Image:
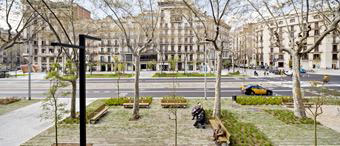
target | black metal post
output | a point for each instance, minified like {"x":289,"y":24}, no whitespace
{"x":82,"y":83}
{"x":82,"y":91}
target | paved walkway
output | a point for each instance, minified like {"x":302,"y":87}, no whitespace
{"x":22,"y":124}
{"x":330,"y":117}
{"x":324,"y":71}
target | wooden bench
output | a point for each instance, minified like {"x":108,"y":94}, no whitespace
{"x":291,"y":105}
{"x":214,"y":124}
{"x":95,"y":116}
{"x":141,"y":105}
{"x":174,"y":105}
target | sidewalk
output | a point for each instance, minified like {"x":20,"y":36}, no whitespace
{"x":330,"y":117}
{"x":22,"y":124}
{"x":324,"y":71}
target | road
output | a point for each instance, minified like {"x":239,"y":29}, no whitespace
{"x":159,"y":87}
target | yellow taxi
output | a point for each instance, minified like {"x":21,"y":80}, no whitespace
{"x":251,"y":89}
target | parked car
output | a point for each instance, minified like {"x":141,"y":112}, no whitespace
{"x":288,"y":72}
{"x":302,"y":70}
{"x":251,"y":89}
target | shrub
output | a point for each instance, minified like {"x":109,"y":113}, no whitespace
{"x":174,"y":99}
{"x":234,"y":73}
{"x":242,"y":133}
{"x":121,"y":100}
{"x":262,"y":100}
{"x":116,"y":101}
{"x":8,"y":100}
{"x":143,"y":99}
{"x":288,"y":117}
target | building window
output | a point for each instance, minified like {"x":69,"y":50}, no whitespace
{"x":316,"y":57}
{"x":335,"y":57}
{"x":281,"y":64}
{"x":316,"y":17}
{"x":335,"y":48}
{"x":42,"y":50}
{"x":305,"y":57}
{"x":109,"y":50}
{"x":271,"y":50}
{"x":101,"y":58}
{"x":316,"y":49}
{"x":102,"y":50}
{"x":280,"y":22}
{"x":109,"y":58}
{"x":186,"y":48}
{"x":316,"y":32}
{"x":179,"y":48}
{"x":292,"y":20}
{"x":172,"y":48}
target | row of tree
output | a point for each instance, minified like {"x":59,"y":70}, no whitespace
{"x":137,"y":23}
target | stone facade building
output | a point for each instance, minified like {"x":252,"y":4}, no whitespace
{"x":175,"y":38}
{"x":325,"y":56}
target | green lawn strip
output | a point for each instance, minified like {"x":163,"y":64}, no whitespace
{"x":288,"y":117}
{"x":242,"y":133}
{"x":109,"y":75}
{"x":182,"y":75}
{"x":89,"y":110}
{"x":16,"y":105}
{"x":281,"y":133}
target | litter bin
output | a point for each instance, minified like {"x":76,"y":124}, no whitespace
{"x":233,"y":98}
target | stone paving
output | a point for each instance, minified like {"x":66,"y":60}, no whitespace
{"x":22,"y":124}
{"x":154,"y":128}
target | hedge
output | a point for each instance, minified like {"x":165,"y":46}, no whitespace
{"x":262,"y":100}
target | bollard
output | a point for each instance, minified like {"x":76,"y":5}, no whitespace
{"x":233,"y":98}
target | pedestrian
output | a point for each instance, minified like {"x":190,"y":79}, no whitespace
{"x":255,"y":73}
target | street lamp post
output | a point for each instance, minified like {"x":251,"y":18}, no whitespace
{"x":29,"y":69}
{"x":205,"y":73}
{"x":82,"y":83}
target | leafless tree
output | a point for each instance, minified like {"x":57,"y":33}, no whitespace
{"x":64,"y":24}
{"x":213,"y":25}
{"x":137,"y":22}
{"x":271,"y":12}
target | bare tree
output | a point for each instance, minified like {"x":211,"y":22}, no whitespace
{"x":298,"y":47}
{"x":213,"y":27}
{"x":13,"y":34}
{"x":61,"y":16}
{"x":137,"y":25}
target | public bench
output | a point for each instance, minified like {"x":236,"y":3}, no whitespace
{"x":224,"y":140}
{"x":141,"y":105}
{"x":101,"y":111}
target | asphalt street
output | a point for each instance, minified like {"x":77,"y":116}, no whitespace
{"x":18,"y":87}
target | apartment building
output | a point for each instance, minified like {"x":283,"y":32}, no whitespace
{"x":175,"y":38}
{"x":325,"y":56}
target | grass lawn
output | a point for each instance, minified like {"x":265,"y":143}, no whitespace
{"x":183,"y":75}
{"x":16,"y":105}
{"x":109,"y":75}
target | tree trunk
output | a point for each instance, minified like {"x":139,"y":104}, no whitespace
{"x":233,"y":63}
{"x":217,"y":104}
{"x":56,"y":120}
{"x":135,"y":114}
{"x":73,"y":99}
{"x":315,"y":129}
{"x":118,"y":84}
{"x":299,"y":109}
